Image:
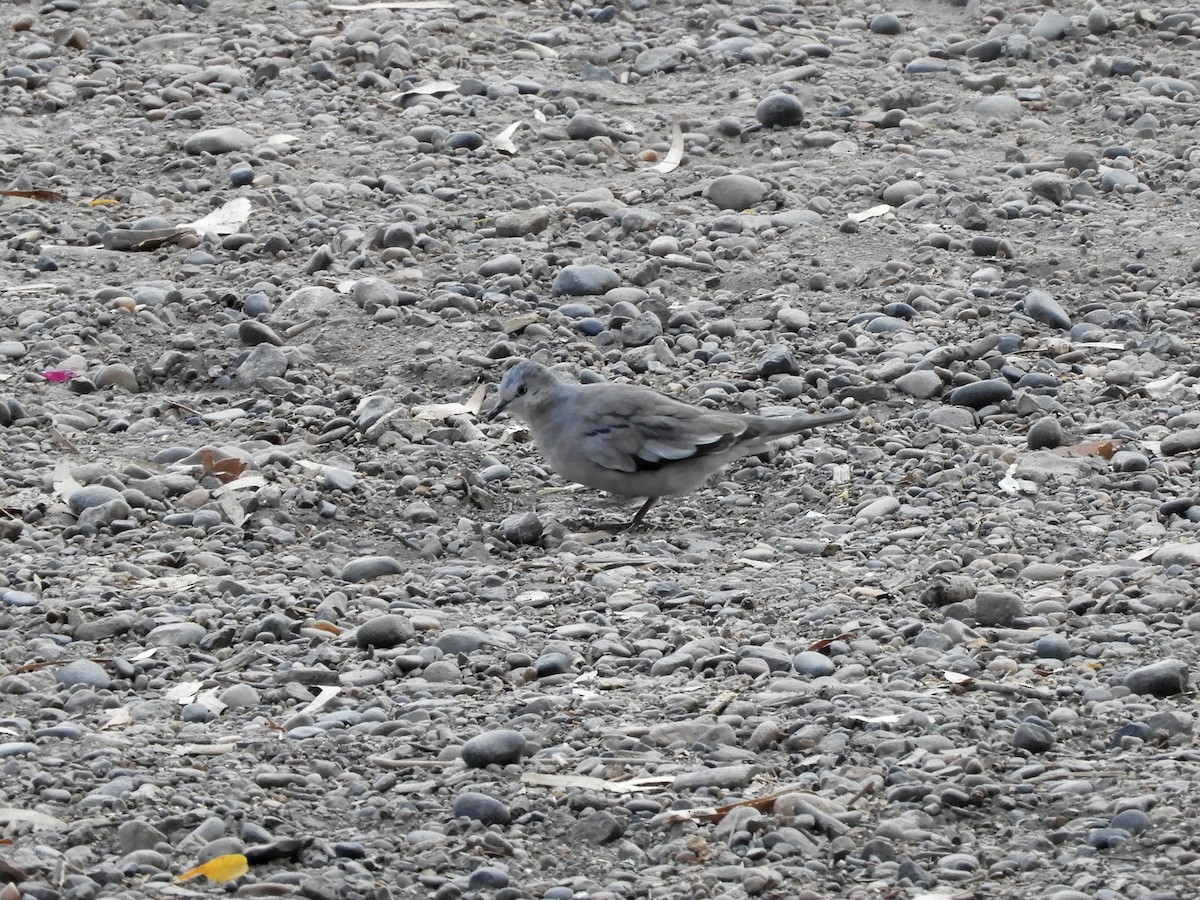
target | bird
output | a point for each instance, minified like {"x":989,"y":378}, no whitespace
{"x":633,"y":441}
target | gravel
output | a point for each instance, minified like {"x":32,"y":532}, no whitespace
{"x":271,"y":584}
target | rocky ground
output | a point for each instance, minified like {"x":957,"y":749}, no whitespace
{"x":272,"y":587}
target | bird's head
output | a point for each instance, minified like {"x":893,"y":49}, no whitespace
{"x":522,"y":388}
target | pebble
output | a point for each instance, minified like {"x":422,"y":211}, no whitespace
{"x":91,"y":496}
{"x":997,"y":608}
{"x":1045,"y":434}
{"x":585,"y":280}
{"x":886,"y":23}
{"x":385,"y":631}
{"x":499,"y":747}
{"x":777,"y":110}
{"x":735,"y":192}
{"x":1053,"y":646}
{"x":481,"y":808}
{"x":224,"y":139}
{"x":1041,"y":307}
{"x":981,"y":393}
{"x":116,"y":375}
{"x":813,"y":664}
{"x":176,"y":634}
{"x":1033,"y":737}
{"x":83,"y":672}
{"x":368,"y":568}
{"x":1164,"y":678}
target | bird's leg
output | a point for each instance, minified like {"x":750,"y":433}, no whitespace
{"x":641,"y":513}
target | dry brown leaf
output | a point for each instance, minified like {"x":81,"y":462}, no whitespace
{"x":226,"y":469}
{"x":1104,"y":449}
{"x":34,"y":195}
{"x":717,"y":813}
{"x":825,"y":642}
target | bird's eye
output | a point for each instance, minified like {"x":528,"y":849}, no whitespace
{"x":522,"y":391}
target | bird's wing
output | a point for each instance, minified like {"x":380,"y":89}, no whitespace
{"x":638,"y":431}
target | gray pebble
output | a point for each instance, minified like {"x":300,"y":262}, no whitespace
{"x":584,"y":280}
{"x":368,"y":568}
{"x":1133,"y":821}
{"x":1044,"y":434}
{"x":1052,"y":26}
{"x":18,"y":598}
{"x":549,"y":664}
{"x":521,"y":223}
{"x":1164,"y":678}
{"x":460,"y":640}
{"x":1053,"y":646}
{"x":176,"y":634}
{"x":782,"y":110}
{"x":886,"y":23}
{"x":657,"y":59}
{"x":500,"y":748}
{"x":1118,"y":179}
{"x":920,"y":383}
{"x":1033,"y":737}
{"x":372,"y":293}
{"x":263,"y":362}
{"x":1129,"y":461}
{"x":83,"y":671}
{"x":584,"y":126}
{"x":505,"y":264}
{"x":385,"y":631}
{"x":778,"y":360}
{"x":1098,"y":20}
{"x":736,"y":192}
{"x":597,"y":827}
{"x":900,"y":192}
{"x":1041,"y":307}
{"x":640,"y":331}
{"x":91,"y":495}
{"x":813,"y":664}
{"x":488,"y":878}
{"x":997,"y":608}
{"x":253,"y":333}
{"x":225,"y":139}
{"x":1185,"y":441}
{"x":1000,"y":106}
{"x":481,"y":808}
{"x":117,"y":375}
{"x":464,"y":140}
{"x":981,"y":393}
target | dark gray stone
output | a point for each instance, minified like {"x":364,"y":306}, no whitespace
{"x":385,"y":631}
{"x":500,"y":747}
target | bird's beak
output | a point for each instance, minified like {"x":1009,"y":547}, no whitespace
{"x":495,"y":410}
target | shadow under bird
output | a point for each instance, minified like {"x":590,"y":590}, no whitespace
{"x":633,"y":441}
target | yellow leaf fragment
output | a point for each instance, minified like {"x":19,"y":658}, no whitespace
{"x":220,"y":868}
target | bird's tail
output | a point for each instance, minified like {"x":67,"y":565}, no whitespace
{"x":781,"y":425}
